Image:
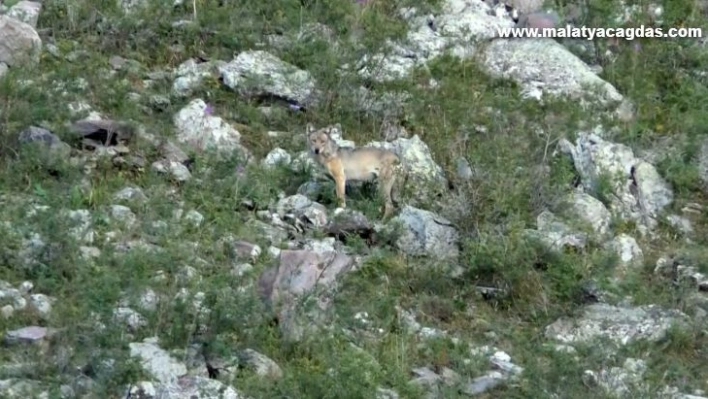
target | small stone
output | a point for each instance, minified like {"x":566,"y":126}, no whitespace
{"x":241,"y":269}
{"x":194,"y":217}
{"x":149,"y":300}
{"x":26,"y":287}
{"x":89,"y":252}
{"x":123,"y":214}
{"x":26,"y":335}
{"x":132,"y":319}
{"x":130,"y":194}
{"x":41,"y":304}
{"x":19,"y":303}
{"x":175,"y":169}
{"x":7,"y":311}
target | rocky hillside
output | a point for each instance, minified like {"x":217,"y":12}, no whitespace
{"x":164,"y":232}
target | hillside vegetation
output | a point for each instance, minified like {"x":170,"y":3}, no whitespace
{"x":550,"y":240}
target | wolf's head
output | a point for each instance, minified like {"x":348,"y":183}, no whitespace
{"x":320,"y":141}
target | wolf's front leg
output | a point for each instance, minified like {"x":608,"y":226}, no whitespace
{"x":340,"y":191}
{"x":340,"y":180}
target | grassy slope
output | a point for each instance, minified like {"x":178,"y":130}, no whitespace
{"x":506,"y":200}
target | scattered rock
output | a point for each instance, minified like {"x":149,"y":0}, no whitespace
{"x":628,"y":251}
{"x":283,"y":292}
{"x":555,"y":234}
{"x":41,"y":305}
{"x":351,"y":223}
{"x":260,"y":74}
{"x":526,"y":6}
{"x":621,"y":325}
{"x":172,"y":380}
{"x":202,"y":131}
{"x":678,"y":272}
{"x":28,"y":335}
{"x":176,"y":170}
{"x":543,"y":66}
{"x":190,"y":387}
{"x":240,"y":249}
{"x":587,"y":209}
{"x":130,"y":194}
{"x":638,"y":192}
{"x":703,"y":164}
{"x":26,"y":11}
{"x":21,"y":45}
{"x":157,"y":361}
{"x":458,"y":27}
{"x":130,"y":318}
{"x":426,"y":234}
{"x":190,"y":74}
{"x":276,"y":157}
{"x":301,"y":209}
{"x":52,"y":149}
{"x":538,"y":20}
{"x":262,"y":365}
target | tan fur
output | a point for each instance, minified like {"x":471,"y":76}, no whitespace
{"x":360,"y":164}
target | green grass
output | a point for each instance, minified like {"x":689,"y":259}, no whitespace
{"x":539,"y":286}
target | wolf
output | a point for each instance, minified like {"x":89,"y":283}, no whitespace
{"x":360,"y":164}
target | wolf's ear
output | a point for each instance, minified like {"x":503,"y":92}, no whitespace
{"x":309,"y":128}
